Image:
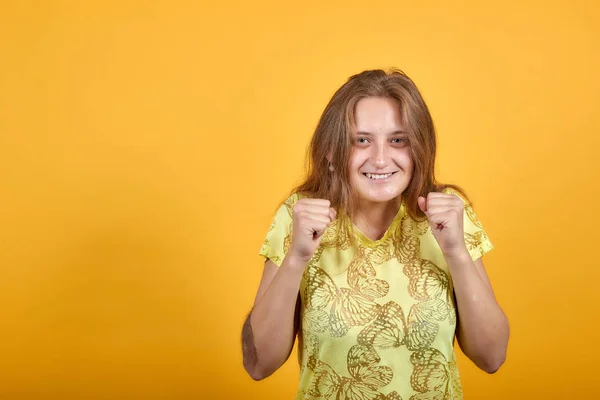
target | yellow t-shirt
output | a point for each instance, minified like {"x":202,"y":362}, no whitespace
{"x":377,"y":316}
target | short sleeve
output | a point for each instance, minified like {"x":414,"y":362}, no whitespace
{"x":476,"y":239}
{"x":277,"y":241}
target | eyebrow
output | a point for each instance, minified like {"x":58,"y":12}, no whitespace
{"x":389,"y":134}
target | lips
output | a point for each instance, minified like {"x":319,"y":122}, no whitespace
{"x":377,"y":177}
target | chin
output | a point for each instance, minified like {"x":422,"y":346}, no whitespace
{"x":379,"y":197}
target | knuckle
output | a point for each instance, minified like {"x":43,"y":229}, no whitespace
{"x":301,"y":214}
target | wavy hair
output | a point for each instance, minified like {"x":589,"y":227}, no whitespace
{"x":332,"y":141}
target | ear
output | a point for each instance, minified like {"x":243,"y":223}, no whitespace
{"x":328,"y":157}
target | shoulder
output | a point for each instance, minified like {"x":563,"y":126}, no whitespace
{"x":289,"y":203}
{"x":451,"y":190}
{"x":286,"y":207}
{"x":293,"y":199}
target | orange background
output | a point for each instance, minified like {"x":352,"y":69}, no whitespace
{"x":144,"y":146}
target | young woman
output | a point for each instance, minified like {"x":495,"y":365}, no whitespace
{"x":372,"y":263}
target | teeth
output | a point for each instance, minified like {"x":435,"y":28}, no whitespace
{"x":378,"y":176}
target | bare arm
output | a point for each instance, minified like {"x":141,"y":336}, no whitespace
{"x":269,"y":331}
{"x":483,"y":329}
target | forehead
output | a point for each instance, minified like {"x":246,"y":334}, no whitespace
{"x":378,"y":114}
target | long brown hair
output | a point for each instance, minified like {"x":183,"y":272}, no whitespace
{"x":332,"y":142}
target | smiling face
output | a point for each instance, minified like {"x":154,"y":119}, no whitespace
{"x":381,"y":166}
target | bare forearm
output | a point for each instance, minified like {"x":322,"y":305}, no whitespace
{"x":483,"y":329}
{"x":269,"y":331}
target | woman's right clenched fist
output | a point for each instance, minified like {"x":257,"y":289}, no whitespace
{"x":311,"y":217}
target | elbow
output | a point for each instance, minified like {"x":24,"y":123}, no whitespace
{"x":492,"y":366}
{"x":495,"y":356}
{"x":492,"y":362}
{"x":256,"y":373}
{"x":491,"y":359}
{"x":250,"y":365}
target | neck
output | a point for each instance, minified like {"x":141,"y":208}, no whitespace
{"x":373,"y":219}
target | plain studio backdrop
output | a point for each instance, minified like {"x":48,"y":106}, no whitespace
{"x":145,"y":145}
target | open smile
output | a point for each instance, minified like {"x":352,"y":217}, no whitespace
{"x":378,"y":177}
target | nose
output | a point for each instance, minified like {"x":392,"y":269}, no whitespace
{"x":380,"y":155}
